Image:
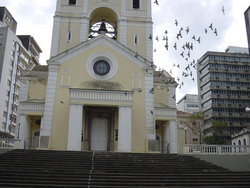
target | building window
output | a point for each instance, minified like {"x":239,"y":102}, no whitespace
{"x":136,"y":40}
{"x":72,"y":2}
{"x":244,"y":142}
{"x":101,"y":67}
{"x":69,"y":36}
{"x":136,"y":4}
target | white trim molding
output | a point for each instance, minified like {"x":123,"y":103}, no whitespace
{"x":165,"y":113}
{"x":31,"y":107}
{"x":101,"y":95}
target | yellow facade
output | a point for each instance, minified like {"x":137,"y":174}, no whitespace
{"x":84,"y":106}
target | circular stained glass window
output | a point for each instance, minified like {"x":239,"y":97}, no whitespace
{"x":101,"y":67}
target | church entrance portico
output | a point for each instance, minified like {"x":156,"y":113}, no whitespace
{"x":100,"y":120}
{"x":100,"y":128}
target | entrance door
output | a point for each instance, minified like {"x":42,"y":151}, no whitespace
{"x":99,"y":134}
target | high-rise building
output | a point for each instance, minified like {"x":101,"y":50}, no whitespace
{"x":189,"y":103}
{"x":247,"y":20}
{"x":224,"y":91}
{"x":15,"y":57}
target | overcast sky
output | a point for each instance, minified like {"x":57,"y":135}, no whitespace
{"x":36,"y":18}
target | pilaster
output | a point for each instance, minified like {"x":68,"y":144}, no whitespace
{"x":149,"y":103}
{"x":125,"y":129}
{"x":75,"y":127}
{"x":122,"y":37}
{"x":46,"y":125}
{"x":55,"y":36}
{"x":84,"y":31}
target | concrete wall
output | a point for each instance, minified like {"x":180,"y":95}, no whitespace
{"x":231,"y":162}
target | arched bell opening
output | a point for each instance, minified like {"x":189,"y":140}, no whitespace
{"x":103,"y":21}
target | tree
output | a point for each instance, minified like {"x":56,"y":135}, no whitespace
{"x":215,"y":138}
{"x":195,"y":123}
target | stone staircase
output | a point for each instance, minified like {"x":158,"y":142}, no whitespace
{"x":40,"y":168}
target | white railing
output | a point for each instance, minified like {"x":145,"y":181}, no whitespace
{"x":164,"y":112}
{"x":6,"y":143}
{"x":216,"y":149}
{"x":32,"y":106}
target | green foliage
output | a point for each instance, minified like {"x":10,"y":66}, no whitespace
{"x":198,"y":116}
{"x":213,"y":139}
{"x":218,"y":128}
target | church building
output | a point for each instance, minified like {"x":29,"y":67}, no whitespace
{"x":100,"y":90}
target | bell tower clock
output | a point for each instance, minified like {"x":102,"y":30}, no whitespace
{"x":129,"y":22}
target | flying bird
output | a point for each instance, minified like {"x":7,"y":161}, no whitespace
{"x":193,"y":37}
{"x":150,"y":37}
{"x":151,"y":91}
{"x":206,"y":30}
{"x":175,"y":46}
{"x":215,"y":32}
{"x":211,"y":26}
{"x":182,"y":54}
{"x":199,"y":40}
{"x":223,"y":10}
{"x":156,"y":2}
{"x":157,"y":38}
{"x":176,"y":22}
{"x":187,"y":29}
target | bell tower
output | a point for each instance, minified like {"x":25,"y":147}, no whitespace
{"x":129,"y":22}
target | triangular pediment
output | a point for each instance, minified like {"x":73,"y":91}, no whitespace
{"x":103,"y":41}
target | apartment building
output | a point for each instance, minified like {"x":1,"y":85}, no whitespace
{"x":189,"y":103}
{"x":17,"y":53}
{"x":224,"y":90}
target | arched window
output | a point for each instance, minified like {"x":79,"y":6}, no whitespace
{"x":244,"y":142}
{"x":239,"y":142}
{"x":103,"y":21}
{"x":136,"y":3}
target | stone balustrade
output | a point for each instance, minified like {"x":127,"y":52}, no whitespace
{"x":216,"y":149}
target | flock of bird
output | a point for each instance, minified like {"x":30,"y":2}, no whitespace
{"x":185,"y":48}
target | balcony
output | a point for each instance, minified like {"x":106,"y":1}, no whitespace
{"x":32,"y":107}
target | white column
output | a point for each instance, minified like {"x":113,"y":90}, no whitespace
{"x":124,"y":129}
{"x":75,"y":127}
{"x":173,"y":136}
{"x":166,"y":138}
{"x":170,"y":136}
{"x":25,"y":132}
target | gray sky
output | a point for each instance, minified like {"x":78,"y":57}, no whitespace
{"x":36,"y":18}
